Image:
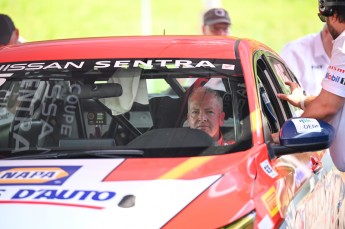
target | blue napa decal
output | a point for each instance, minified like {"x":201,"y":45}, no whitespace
{"x":36,"y":175}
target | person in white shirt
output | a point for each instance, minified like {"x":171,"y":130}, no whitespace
{"x":329,"y":104}
{"x":308,"y":57}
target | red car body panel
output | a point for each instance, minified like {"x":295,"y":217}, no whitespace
{"x":125,"y":47}
{"x":243,"y":184}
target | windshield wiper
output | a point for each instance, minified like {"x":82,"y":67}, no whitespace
{"x":115,"y":152}
{"x":78,"y":153}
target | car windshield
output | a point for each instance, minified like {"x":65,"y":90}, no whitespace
{"x":128,"y":108}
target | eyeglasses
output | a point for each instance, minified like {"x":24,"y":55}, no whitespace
{"x":322,"y":17}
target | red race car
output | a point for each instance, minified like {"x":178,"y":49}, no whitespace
{"x":94,"y":133}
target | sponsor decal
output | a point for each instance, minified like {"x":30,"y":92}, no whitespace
{"x":228,"y":66}
{"x":74,"y":198}
{"x":21,"y":122}
{"x":335,"y":78}
{"x":54,"y":194}
{"x":36,"y":175}
{"x":271,"y":201}
{"x":340,"y":70}
{"x":336,"y":74}
{"x":304,"y":125}
{"x":41,"y":66}
{"x":118,"y":63}
{"x":265,"y":165}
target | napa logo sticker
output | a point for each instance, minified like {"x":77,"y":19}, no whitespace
{"x":36,"y":175}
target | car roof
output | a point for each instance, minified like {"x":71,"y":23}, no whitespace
{"x":127,"y":47}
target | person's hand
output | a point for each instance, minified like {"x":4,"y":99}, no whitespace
{"x":275,"y":138}
{"x":296,"y":96}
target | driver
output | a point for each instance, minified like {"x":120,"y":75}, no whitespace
{"x":205,"y":112}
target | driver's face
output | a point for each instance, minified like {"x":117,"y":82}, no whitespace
{"x":204,"y":113}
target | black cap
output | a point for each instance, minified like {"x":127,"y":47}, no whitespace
{"x":216,"y":15}
{"x":6,"y":29}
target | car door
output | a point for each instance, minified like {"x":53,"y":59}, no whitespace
{"x":306,"y":175}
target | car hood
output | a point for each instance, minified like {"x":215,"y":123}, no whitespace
{"x":113,"y":193}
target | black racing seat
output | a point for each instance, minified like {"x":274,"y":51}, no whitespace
{"x":165,"y":112}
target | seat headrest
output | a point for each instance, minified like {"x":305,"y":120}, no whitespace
{"x":165,"y":111}
{"x":227,"y":105}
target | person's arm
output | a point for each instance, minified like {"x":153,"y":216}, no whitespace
{"x":324,"y":106}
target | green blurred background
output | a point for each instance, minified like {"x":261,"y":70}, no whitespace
{"x":273,"y":22}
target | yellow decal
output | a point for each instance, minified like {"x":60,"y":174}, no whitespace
{"x":185,"y":167}
{"x":271,"y":201}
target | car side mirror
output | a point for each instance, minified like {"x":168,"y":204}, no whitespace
{"x":299,"y":135}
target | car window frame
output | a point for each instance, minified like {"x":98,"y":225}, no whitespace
{"x":266,"y":73}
